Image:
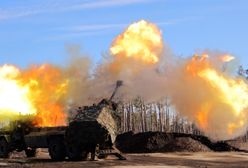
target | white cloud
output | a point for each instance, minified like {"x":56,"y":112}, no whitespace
{"x":98,"y":29}
{"x":58,"y":6}
{"x":94,"y":27}
{"x":109,"y":3}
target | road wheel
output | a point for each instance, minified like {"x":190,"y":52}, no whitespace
{"x":4,"y":148}
{"x":57,"y":149}
{"x":76,"y":154}
{"x":30,"y":152}
{"x":101,"y":156}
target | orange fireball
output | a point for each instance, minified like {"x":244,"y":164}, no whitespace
{"x":14,"y":96}
{"x":224,"y":99}
{"x":227,"y":58}
{"x":141,"y":41}
{"x":39,"y":91}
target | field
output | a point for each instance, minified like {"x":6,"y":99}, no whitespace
{"x":157,"y":160}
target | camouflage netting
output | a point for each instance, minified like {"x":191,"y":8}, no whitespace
{"x":97,"y":121}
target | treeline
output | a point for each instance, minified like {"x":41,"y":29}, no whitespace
{"x":138,"y":116}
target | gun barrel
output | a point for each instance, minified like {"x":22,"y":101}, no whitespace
{"x":118,"y":84}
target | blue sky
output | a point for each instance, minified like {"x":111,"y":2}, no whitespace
{"x":33,"y":31}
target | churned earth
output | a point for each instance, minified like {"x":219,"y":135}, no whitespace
{"x":156,"y":160}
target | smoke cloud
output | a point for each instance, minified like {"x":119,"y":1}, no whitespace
{"x":204,"y":88}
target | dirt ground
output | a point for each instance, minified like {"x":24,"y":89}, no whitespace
{"x":155,"y":160}
{"x":161,"y":142}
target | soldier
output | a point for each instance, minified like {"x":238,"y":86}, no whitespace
{"x":241,"y":71}
{"x":89,"y":148}
{"x":92,"y":150}
{"x":79,"y":110}
{"x":246,"y":72}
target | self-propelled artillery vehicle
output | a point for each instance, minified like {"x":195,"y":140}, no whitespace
{"x":92,"y":130}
